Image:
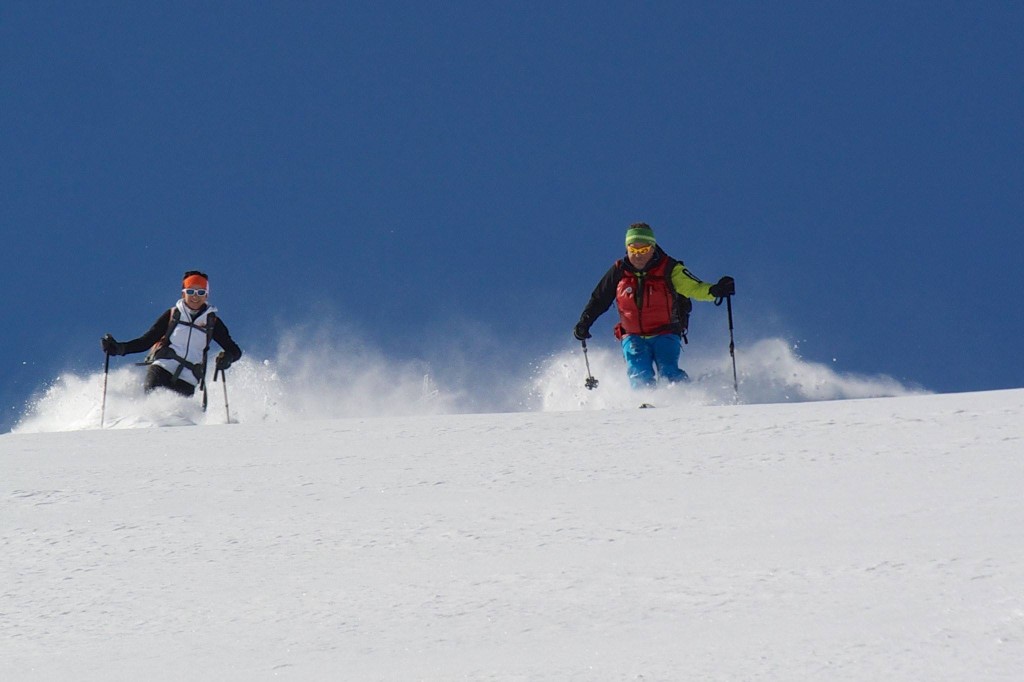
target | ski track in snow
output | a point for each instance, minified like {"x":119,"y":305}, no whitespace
{"x":845,"y":540}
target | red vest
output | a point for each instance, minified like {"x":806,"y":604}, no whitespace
{"x":645,"y":301}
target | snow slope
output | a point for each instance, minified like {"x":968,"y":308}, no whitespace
{"x":843,"y":540}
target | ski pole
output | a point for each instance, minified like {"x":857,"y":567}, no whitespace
{"x":591,"y":382}
{"x":732,"y":349}
{"x":202,"y":382}
{"x":103,"y":405}
{"x":732,"y":346}
{"x":224,"y":378}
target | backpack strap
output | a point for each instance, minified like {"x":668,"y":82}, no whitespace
{"x":173,"y":317}
{"x":172,"y":323}
{"x":211,"y":322}
{"x":162,"y":350}
{"x":682,"y":305}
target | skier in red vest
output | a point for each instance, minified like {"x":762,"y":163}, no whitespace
{"x":651,"y":291}
{"x":180,"y":339}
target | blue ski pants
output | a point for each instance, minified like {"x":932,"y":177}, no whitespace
{"x":644,"y":354}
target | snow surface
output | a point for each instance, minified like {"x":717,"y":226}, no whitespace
{"x":576,"y":539}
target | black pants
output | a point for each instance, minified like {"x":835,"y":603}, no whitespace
{"x":158,"y":377}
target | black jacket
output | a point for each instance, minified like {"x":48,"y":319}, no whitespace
{"x":159,"y":328}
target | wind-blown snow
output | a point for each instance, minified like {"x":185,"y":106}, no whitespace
{"x":841,"y":540}
{"x":323,"y":381}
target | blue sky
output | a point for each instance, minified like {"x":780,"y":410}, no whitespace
{"x":423,"y":176}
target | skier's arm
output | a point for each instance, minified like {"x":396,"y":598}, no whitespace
{"x":146,"y":341}
{"x":602,"y":297}
{"x":689,"y":285}
{"x":224,"y":340}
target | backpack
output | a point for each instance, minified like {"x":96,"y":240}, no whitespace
{"x":679,"y":318}
{"x":162,"y":348}
{"x":681,"y":306}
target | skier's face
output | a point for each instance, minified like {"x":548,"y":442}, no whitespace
{"x":640,"y":254}
{"x":194,"y":300}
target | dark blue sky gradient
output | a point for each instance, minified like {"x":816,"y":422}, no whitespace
{"x":416,"y":170}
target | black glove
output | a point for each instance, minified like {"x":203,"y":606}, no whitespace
{"x":223,"y":362}
{"x":111,"y":346}
{"x":725,"y":287}
{"x":581,"y":331}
